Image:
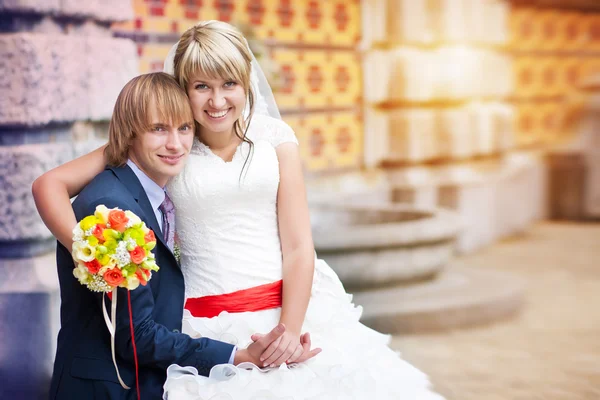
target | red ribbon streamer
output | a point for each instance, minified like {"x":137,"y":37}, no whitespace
{"x":135,"y":360}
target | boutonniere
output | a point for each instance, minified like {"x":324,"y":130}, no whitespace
{"x":177,"y":252}
{"x":176,"y":248}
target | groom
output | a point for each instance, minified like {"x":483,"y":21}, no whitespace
{"x":150,"y":136}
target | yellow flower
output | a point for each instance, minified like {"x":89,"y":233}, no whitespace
{"x":88,"y":222}
{"x":104,"y":259}
{"x":102,"y":214}
{"x":110,"y":234}
{"x":92,"y":240}
{"x":136,"y":234}
{"x":110,"y":246}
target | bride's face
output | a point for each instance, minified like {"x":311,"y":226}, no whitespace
{"x":216,"y":103}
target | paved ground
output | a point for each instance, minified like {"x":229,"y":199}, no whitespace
{"x":551,"y":351}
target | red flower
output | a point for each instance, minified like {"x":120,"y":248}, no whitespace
{"x":137,"y":255}
{"x":117,"y":220}
{"x":114,"y":277}
{"x":149,"y":237}
{"x":93,"y":266}
{"x":97,"y":231}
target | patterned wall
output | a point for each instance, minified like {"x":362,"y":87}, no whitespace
{"x":313,"y":45}
{"x":555,"y":51}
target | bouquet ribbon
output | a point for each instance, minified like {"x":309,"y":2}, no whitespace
{"x":111,"y":324}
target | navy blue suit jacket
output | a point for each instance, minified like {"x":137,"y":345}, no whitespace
{"x":83,"y":367}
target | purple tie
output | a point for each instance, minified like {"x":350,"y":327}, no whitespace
{"x":168,"y":221}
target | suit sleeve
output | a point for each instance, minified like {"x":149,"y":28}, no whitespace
{"x":156,"y":345}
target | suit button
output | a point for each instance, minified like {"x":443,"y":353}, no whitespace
{"x":175,"y":330}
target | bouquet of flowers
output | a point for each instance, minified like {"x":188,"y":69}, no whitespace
{"x":113,"y":248}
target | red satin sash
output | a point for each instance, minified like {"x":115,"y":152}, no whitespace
{"x":263,"y":297}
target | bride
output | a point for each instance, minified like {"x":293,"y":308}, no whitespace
{"x":245,"y":242}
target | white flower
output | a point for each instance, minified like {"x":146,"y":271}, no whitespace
{"x":82,"y":274}
{"x":102,"y":213}
{"x":83,"y":251}
{"x":98,"y":284}
{"x":121,"y":256}
{"x":130,"y":244}
{"x":132,"y":282}
{"x":77,"y":233}
{"x":133,"y":219}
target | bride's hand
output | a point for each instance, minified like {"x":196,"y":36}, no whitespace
{"x":306,"y":353}
{"x":261,"y":344}
{"x":299,"y":353}
{"x":281,"y":349}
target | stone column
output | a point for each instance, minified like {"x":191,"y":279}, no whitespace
{"x":60,"y":73}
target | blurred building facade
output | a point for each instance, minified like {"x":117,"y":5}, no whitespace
{"x":308,"y":49}
{"x":449,"y":103}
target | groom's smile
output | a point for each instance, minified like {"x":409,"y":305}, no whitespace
{"x":172,"y":160}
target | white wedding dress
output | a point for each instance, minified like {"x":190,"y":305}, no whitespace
{"x":229,"y":240}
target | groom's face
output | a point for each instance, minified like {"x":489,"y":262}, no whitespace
{"x":161,"y":151}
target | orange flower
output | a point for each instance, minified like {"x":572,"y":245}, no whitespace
{"x":93,"y":266}
{"x":117,"y":220}
{"x":149,"y":237}
{"x":137,"y":255}
{"x":97,"y":231}
{"x":114,"y":277}
{"x":141,"y":276}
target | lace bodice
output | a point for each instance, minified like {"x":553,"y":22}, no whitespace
{"x":226,"y":218}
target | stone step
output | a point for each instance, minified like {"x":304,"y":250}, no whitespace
{"x":456,"y":298}
{"x":373,"y":245}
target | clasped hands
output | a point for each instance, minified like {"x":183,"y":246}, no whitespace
{"x":277,"y":347}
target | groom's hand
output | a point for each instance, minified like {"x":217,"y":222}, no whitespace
{"x":255,"y":350}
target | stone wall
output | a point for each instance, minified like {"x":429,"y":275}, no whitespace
{"x":60,"y":72}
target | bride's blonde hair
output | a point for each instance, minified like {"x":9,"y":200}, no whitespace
{"x":219,"y":51}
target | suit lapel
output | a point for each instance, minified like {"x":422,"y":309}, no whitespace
{"x":132,"y":183}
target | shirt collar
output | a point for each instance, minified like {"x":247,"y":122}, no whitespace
{"x":155,"y":193}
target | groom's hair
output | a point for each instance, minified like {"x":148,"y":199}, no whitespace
{"x":144,"y":101}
